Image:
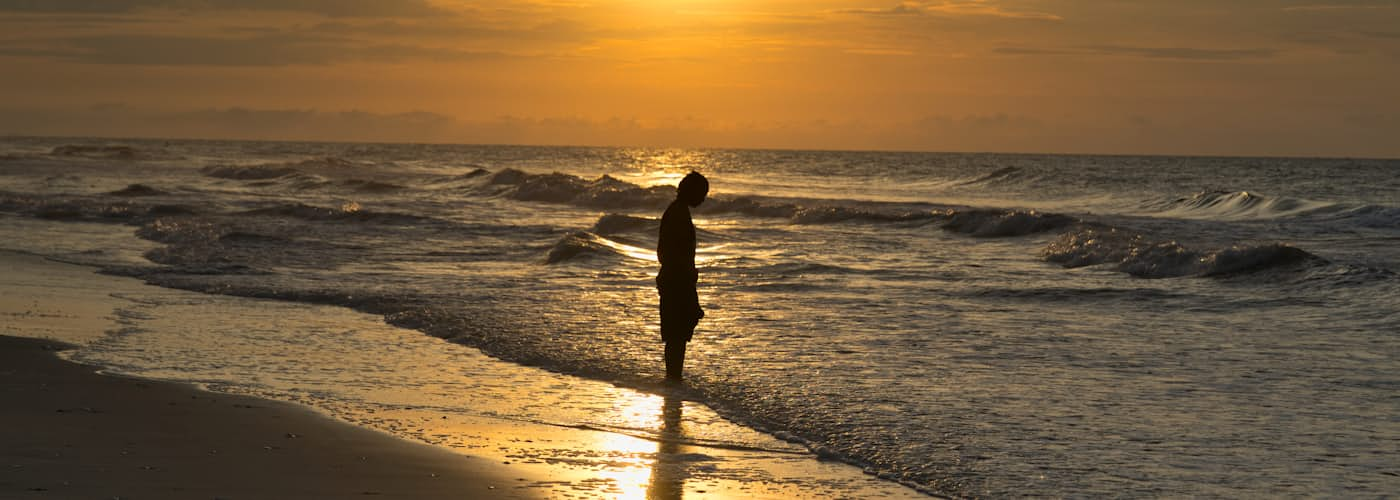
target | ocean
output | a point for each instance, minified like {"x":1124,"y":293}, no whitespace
{"x":965,"y":324}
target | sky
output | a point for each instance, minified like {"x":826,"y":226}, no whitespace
{"x":1196,"y":77}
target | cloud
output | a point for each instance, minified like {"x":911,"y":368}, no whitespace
{"x":1335,"y":7}
{"x":118,"y":120}
{"x":952,"y":8}
{"x":310,"y":124}
{"x":329,"y":8}
{"x":262,"y":50}
{"x":983,"y":8}
{"x":1349,"y":43}
{"x":903,"y":9}
{"x":1183,"y":53}
{"x":1373,"y":121}
{"x":878,"y":51}
{"x":1035,"y":51}
{"x":466,"y":29}
{"x":994,"y":123}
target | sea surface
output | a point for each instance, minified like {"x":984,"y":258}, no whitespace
{"x":966,"y":324}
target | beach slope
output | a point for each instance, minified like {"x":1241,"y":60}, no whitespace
{"x":68,"y":432}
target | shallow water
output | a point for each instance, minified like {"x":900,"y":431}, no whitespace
{"x":969,"y":324}
{"x":563,"y":436}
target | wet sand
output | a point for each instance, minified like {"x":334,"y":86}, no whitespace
{"x":69,"y":432}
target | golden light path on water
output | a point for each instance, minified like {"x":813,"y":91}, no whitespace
{"x":646,"y":468}
{"x":638,"y":411}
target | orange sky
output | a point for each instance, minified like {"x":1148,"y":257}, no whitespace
{"x":1239,"y":77}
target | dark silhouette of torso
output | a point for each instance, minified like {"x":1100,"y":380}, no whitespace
{"x":680,"y":304}
{"x":676,"y":246}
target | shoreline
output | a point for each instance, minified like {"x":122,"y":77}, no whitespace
{"x":51,"y":302}
{"x":74,"y":432}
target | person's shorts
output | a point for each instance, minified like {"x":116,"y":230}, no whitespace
{"x":680,"y":312}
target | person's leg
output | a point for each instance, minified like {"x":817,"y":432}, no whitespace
{"x":675,"y":359}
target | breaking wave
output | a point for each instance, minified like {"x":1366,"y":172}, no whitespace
{"x":584,"y":244}
{"x":574,"y":245}
{"x":1236,"y":205}
{"x":1142,"y":257}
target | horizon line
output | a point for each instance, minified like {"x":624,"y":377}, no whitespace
{"x":724,"y":148}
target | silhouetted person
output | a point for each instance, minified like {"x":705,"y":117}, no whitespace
{"x":680,"y":304}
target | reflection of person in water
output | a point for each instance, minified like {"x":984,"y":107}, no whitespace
{"x":680,"y":304}
{"x":668,"y":473}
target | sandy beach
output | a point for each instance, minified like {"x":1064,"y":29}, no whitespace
{"x":72,"y":433}
{"x":77,"y":430}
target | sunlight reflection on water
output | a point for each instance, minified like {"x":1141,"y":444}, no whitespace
{"x":591,"y":439}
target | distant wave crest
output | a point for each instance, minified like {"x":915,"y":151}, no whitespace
{"x":249,"y":172}
{"x":833,"y":214}
{"x":1241,"y":205}
{"x":309,"y":169}
{"x":1373,"y":216}
{"x":349,"y":212}
{"x":1000,"y":175}
{"x":623,"y":223}
{"x":77,"y":208}
{"x":1001,"y":223}
{"x":108,"y":152}
{"x":603,"y":192}
{"x":137,"y":190}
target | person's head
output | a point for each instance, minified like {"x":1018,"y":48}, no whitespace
{"x":692,"y":189}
